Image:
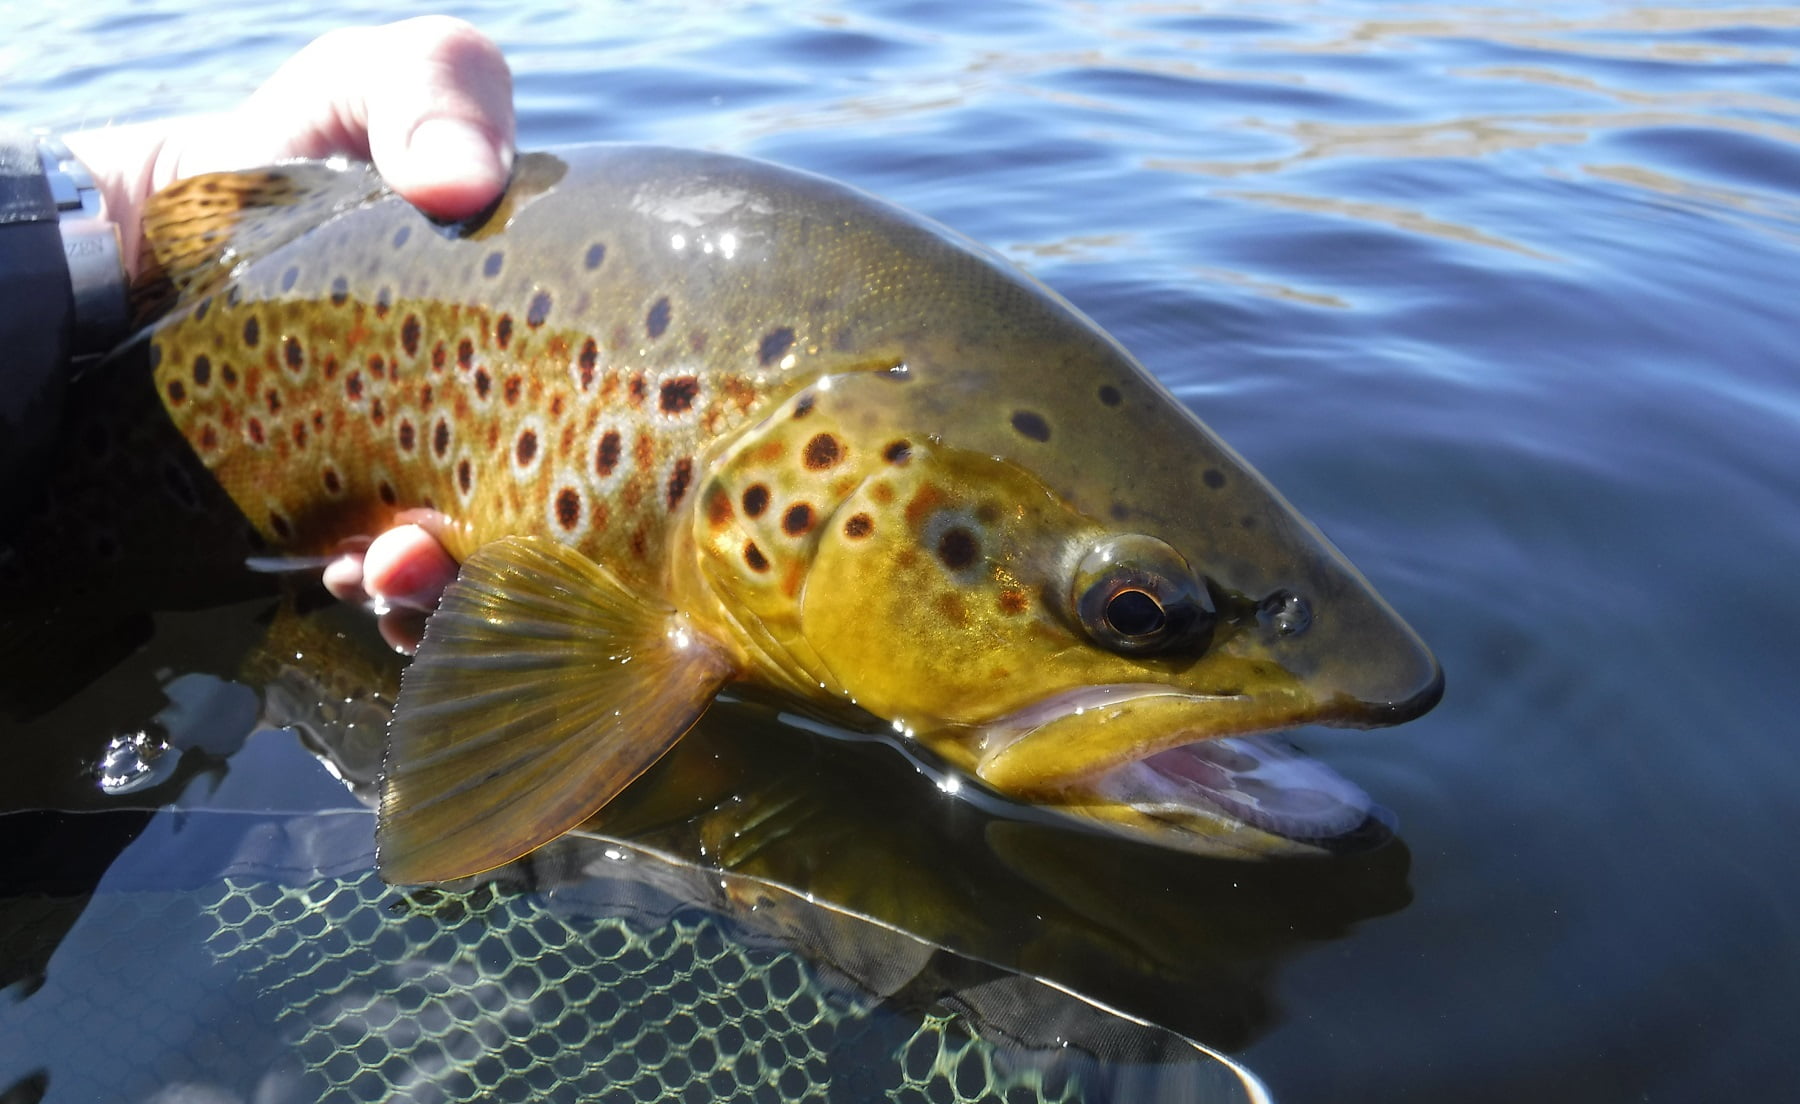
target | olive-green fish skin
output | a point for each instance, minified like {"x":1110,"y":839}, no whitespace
{"x":865,"y":461}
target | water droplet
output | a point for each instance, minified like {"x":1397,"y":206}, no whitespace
{"x":1285,"y":612}
{"x":134,"y":762}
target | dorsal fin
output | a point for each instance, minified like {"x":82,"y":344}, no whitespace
{"x":197,"y":231}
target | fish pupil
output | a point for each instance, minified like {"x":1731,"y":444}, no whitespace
{"x":1134,"y":613}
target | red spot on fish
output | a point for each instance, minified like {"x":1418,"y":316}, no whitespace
{"x":272,"y":398}
{"x":209,"y":438}
{"x":438,"y":357}
{"x":331,"y":367}
{"x":299,"y":435}
{"x":606,"y":457}
{"x":638,"y":544}
{"x":377,"y":412}
{"x":526,"y":448}
{"x":503,"y":330}
{"x":377,"y":367}
{"x":256,"y":431}
{"x":511,"y":389}
{"x":718,"y":509}
{"x":465,"y":354}
{"x":637,"y":389}
{"x":643,"y":450}
{"x":556,"y":406}
{"x":1013,"y":601}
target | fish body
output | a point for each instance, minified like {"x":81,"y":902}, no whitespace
{"x":688,"y":419}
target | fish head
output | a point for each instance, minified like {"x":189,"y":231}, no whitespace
{"x":1072,"y":591}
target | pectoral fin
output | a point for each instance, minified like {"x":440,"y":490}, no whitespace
{"x":544,"y":685}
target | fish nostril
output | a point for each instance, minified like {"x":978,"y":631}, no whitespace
{"x":1285,"y":612}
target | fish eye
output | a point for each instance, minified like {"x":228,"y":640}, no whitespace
{"x":1136,"y":595}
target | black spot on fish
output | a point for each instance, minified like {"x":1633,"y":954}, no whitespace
{"x":465,"y":354}
{"x":568,"y":508}
{"x":289,"y":277}
{"x":255,"y":428}
{"x":401,"y":235}
{"x":1110,"y":395}
{"x":491,"y":266}
{"x":340,"y":291}
{"x":156,"y":354}
{"x":233,"y":296}
{"x":280,"y":527}
{"x":678,"y":394}
{"x":377,"y":367}
{"x":756,"y":500}
{"x":333,"y":484}
{"x":440,"y":438}
{"x":177,"y":392}
{"x":1247,"y":521}
{"x":526,"y":448}
{"x":595,"y":254}
{"x":503,"y":331}
{"x":822,"y":452}
{"x":293,"y":354}
{"x":606,"y":456}
{"x":202,"y":370}
{"x":299,"y":435}
{"x":409,"y":335}
{"x":679,"y":478}
{"x":228,"y":374}
{"x":438,"y":356}
{"x":775,"y":345}
{"x":797,"y":520}
{"x":957,"y":548}
{"x":465,"y":475}
{"x":590,"y":355}
{"x":1214,"y":478}
{"x":252,"y":331}
{"x":386,"y":491}
{"x":384,"y":301}
{"x":272,"y":398}
{"x":859,"y":526}
{"x":754,"y":557}
{"x":1031,"y":424}
{"x":353,"y":385}
{"x":539,"y":310}
{"x":897,"y":452}
{"x":377,"y":413}
{"x":406,"y":435}
{"x":657,"y":321}
{"x":483,"y":382}
{"x":202,"y":308}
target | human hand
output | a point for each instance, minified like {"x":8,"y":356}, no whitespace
{"x":429,"y":101}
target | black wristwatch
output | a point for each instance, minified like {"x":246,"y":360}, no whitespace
{"x":63,"y":299}
{"x":91,"y":248}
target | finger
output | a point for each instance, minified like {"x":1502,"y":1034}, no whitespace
{"x":439,"y":114}
{"x":406,"y":568}
{"x":344,"y":577}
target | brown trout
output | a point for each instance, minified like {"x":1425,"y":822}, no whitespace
{"x":690,"y":420}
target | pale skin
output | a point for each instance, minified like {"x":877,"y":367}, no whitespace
{"x":429,"y":102}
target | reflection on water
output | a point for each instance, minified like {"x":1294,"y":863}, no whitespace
{"x":1500,"y":296}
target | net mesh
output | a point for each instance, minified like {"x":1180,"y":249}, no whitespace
{"x":491,"y":996}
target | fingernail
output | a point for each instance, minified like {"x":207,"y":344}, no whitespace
{"x":452,"y":149}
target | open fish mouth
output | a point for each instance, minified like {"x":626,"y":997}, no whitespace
{"x":1184,"y":770}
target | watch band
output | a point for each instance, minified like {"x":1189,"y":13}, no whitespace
{"x":91,"y":247}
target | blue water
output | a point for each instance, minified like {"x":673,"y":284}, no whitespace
{"x":1501,"y":297}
